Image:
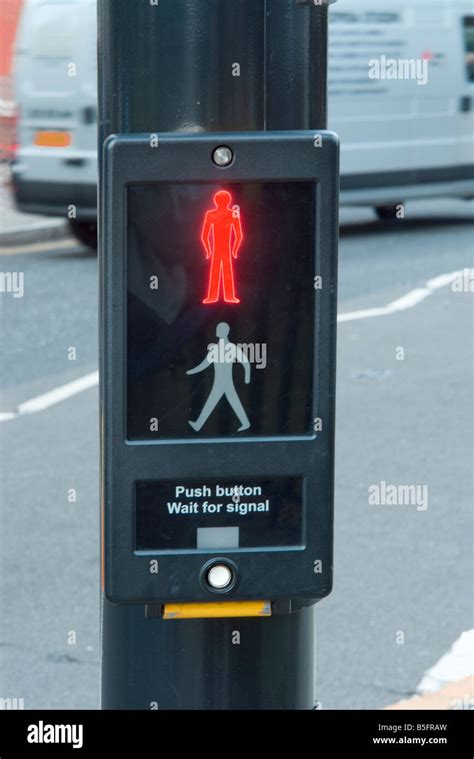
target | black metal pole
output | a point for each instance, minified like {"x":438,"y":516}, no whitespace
{"x":209,"y":65}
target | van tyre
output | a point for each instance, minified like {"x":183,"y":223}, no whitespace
{"x":85,"y":232}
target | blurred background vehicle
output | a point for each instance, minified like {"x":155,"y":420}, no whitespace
{"x":402,"y":138}
{"x":54,"y":167}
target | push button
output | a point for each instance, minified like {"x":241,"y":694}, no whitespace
{"x":220,"y":576}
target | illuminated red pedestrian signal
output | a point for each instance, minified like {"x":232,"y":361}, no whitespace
{"x":222,"y":237}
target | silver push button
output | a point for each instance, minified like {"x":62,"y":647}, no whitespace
{"x":219,"y":576}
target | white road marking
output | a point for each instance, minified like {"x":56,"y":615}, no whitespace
{"x":59,"y":394}
{"x":6,"y":415}
{"x":42,"y":402}
{"x":407,"y":301}
{"x":366,"y":313}
{"x":444,"y":279}
{"x":456,"y":664}
{"x":39,"y":247}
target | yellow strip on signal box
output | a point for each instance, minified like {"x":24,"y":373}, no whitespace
{"x":218,"y":609}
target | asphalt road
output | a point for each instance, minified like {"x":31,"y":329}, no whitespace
{"x":403,"y":575}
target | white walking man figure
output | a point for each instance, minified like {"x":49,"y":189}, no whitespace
{"x":222,"y":356}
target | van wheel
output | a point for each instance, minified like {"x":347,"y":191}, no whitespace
{"x":387,"y":213}
{"x":85,"y":232}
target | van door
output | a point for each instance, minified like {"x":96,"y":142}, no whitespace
{"x":408,"y":123}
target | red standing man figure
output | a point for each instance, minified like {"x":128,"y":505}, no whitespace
{"x":222,"y":246}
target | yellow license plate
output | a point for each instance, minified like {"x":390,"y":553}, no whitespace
{"x":52,"y":139}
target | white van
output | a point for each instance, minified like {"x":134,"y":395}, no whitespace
{"x":54,"y":171}
{"x":401,"y":97}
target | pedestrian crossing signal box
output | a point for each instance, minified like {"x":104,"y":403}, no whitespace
{"x":218,"y":313}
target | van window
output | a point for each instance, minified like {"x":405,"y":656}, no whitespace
{"x":52,"y":30}
{"x":52,"y":41}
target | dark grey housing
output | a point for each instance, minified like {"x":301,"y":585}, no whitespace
{"x":302,"y":573}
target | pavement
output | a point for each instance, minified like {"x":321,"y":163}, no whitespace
{"x":403,"y":573}
{"x":18,"y":228}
